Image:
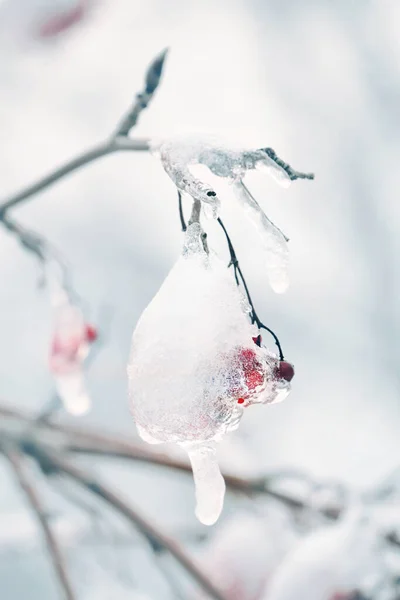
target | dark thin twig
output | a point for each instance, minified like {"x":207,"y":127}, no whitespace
{"x":181,"y":215}
{"x":29,"y":239}
{"x":293,"y":175}
{"x":146,"y":527}
{"x":142,"y":100}
{"x":16,"y":458}
{"x":238,"y":271}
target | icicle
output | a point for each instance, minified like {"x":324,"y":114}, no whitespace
{"x":273,"y":240}
{"x":70,"y":346}
{"x":209,"y":483}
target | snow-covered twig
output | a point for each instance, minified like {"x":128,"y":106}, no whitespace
{"x":16,"y":458}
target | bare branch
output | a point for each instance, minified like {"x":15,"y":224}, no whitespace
{"x":84,"y":441}
{"x":181,"y":215}
{"x":30,"y":240}
{"x":36,"y":244}
{"x":142,"y":100}
{"x":148,"y":529}
{"x":114,"y":145}
{"x":117,"y":143}
{"x":16,"y":460}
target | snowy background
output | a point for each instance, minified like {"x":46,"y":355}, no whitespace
{"x":317,"y":81}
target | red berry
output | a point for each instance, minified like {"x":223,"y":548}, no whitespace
{"x":285,"y":371}
{"x":240,"y":400}
{"x":61,"y":22}
{"x":251,"y":369}
{"x":91,"y":333}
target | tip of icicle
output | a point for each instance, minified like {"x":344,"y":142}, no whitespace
{"x":208,"y":519}
{"x":78,"y":406}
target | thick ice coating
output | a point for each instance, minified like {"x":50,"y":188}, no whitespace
{"x":194,"y":366}
{"x":69,"y":348}
{"x":179,"y":154}
{"x":272,"y":238}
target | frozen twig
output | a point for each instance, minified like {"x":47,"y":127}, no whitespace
{"x":195,"y":218}
{"x":292,"y":174}
{"x":15,"y":457}
{"x":196,"y":209}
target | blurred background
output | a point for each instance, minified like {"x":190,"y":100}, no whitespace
{"x":317,"y":81}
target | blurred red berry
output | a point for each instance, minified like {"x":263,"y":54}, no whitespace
{"x":63,"y":21}
{"x":91,"y":333}
{"x":285,"y":371}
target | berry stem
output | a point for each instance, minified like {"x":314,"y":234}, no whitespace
{"x":181,"y":216}
{"x":238,"y":271}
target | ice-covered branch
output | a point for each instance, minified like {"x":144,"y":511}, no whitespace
{"x":292,"y":173}
{"x":16,"y":459}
